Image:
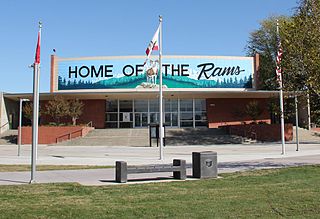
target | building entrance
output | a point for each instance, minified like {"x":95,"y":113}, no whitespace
{"x":139,"y":113}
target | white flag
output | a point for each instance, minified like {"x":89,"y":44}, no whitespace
{"x":154,"y":43}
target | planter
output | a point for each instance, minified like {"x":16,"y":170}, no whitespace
{"x":54,"y":134}
{"x":262,"y":132}
{"x":316,"y":129}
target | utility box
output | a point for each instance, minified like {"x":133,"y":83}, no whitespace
{"x":204,"y":164}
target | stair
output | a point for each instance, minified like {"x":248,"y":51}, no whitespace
{"x":306,"y":135}
{"x":140,"y":137}
{"x":9,"y":137}
{"x":200,"y":136}
{"x":112,"y":137}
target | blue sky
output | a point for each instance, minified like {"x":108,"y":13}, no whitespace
{"x":77,"y":28}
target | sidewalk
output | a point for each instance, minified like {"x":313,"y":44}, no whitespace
{"x":231,"y":158}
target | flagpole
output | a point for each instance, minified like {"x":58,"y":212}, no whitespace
{"x":297,"y":120}
{"x":35,"y":118}
{"x":283,"y":151}
{"x":161,"y":129}
{"x":283,"y":148}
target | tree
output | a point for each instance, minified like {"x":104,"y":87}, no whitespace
{"x":27,"y":110}
{"x":302,"y":51}
{"x":300,"y":38}
{"x":57,"y":108}
{"x":264,"y":42}
{"x":75,"y":110}
{"x":253,"y":110}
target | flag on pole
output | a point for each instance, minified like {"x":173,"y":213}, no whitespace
{"x":154,"y":43}
{"x":278,"y":62}
{"x":37,"y":57}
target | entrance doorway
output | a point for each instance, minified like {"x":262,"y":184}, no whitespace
{"x":140,"y":113}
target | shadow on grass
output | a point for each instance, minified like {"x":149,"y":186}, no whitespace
{"x":14,"y":181}
{"x":256,"y":165}
{"x":143,"y":179}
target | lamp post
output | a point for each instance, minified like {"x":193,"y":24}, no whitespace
{"x":20,"y":124}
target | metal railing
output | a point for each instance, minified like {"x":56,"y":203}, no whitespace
{"x":4,"y":125}
{"x":69,"y":135}
{"x":89,"y":124}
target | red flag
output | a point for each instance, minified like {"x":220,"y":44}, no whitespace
{"x":154,"y":43}
{"x":37,"y":57}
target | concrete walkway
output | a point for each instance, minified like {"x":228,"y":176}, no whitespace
{"x":231,"y":158}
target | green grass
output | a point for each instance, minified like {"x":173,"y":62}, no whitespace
{"x":278,"y":193}
{"x":18,"y":168}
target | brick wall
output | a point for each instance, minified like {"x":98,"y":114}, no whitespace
{"x":95,"y":111}
{"x":262,"y":132}
{"x":230,"y":111}
{"x":316,"y":129}
{"x":49,"y":134}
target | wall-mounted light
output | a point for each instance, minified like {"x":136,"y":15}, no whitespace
{"x":212,"y":104}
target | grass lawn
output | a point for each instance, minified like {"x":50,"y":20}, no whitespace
{"x":277,"y":193}
{"x":16,"y":168}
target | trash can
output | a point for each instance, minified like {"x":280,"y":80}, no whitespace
{"x":204,"y":164}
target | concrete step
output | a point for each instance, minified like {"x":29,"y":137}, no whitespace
{"x":306,"y":135}
{"x":119,"y":132}
{"x":140,"y":137}
{"x":137,"y":142}
{"x":194,"y":132}
{"x":203,"y":140}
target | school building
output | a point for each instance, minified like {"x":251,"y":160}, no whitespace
{"x":123,"y":92}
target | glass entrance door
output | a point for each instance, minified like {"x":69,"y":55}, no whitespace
{"x":141,"y":119}
{"x":125,"y":113}
{"x":171,"y":113}
{"x":141,"y":113}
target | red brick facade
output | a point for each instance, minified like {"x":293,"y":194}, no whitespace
{"x":95,"y":111}
{"x":230,"y":111}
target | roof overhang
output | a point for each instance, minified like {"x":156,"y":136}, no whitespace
{"x":152,"y":93}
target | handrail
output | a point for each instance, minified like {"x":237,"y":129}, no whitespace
{"x":4,"y":125}
{"x":89,"y":124}
{"x":69,"y":135}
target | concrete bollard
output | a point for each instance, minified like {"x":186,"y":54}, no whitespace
{"x":204,"y":164}
{"x":121,"y":171}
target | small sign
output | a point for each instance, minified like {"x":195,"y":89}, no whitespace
{"x":209,"y":162}
{"x":126,"y":117}
{"x":153,"y":132}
